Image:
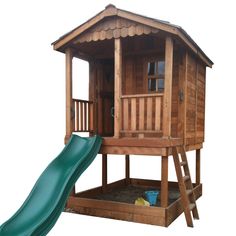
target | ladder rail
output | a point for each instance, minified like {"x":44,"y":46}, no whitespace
{"x":185,"y":185}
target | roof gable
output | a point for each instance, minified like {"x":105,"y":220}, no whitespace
{"x":112,"y":11}
{"x":114,"y":27}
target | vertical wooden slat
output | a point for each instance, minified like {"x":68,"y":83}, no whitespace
{"x":198,"y":166}
{"x":118,"y":83}
{"x":158,"y":113}
{"x":168,"y":87}
{"x":91,"y":117}
{"x":141,"y":113}
{"x":69,"y":121}
{"x":104,"y":172}
{"x":81,"y":116}
{"x":149,"y":113}
{"x":126,"y":114}
{"x":164,"y":181}
{"x":133,"y":113}
{"x":77,"y":116}
{"x":85,"y":116}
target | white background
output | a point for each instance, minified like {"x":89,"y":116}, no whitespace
{"x":32,"y":108}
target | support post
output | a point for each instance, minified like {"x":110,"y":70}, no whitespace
{"x":104,"y":172}
{"x":127,"y":169}
{"x":118,"y":82}
{"x":69,"y":108}
{"x":164,"y":181}
{"x":198,"y":166}
{"x":168,"y":87}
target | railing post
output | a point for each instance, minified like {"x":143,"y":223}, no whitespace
{"x":69,"y":102}
{"x":168,"y":87}
{"x":118,"y":82}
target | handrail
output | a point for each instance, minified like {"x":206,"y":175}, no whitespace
{"x":81,"y":100}
{"x":143,"y":95}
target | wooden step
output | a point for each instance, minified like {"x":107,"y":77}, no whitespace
{"x":192,"y":206}
{"x":183,"y":163}
{"x":186,"y":178}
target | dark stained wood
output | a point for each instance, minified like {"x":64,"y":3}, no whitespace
{"x":127,"y":169}
{"x":198,"y":166}
{"x":104,"y":172}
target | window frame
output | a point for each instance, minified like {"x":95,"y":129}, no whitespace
{"x":155,"y":76}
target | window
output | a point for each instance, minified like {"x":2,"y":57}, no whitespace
{"x":156,"y":75}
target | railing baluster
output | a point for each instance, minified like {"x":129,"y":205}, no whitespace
{"x":158,"y":114}
{"x":85,"y":116}
{"x":133,"y":114}
{"x":141,"y":114}
{"x":126,"y":114}
{"x":81,"y":116}
{"x":77,"y":115}
{"x":149,"y":113}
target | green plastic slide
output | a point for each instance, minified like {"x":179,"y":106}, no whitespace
{"x":42,"y":208}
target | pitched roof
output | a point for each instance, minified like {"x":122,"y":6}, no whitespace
{"x":111,"y":10}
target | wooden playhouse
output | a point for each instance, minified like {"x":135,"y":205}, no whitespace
{"x":147,"y":82}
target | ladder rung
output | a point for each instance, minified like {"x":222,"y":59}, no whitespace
{"x":185,"y":178}
{"x":183,"y":163}
{"x":191,"y":206}
{"x":189,"y":191}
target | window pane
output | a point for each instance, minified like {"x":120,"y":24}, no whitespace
{"x":161,"y":68}
{"x":152,"y":85}
{"x":160,"y":85}
{"x":151,"y":68}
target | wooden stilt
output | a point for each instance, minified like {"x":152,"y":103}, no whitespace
{"x":198,"y":166}
{"x":104,"y":172}
{"x":164,"y":181}
{"x":127,"y":169}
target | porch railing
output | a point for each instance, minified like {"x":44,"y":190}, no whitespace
{"x":142,"y":113}
{"x":83,"y":120}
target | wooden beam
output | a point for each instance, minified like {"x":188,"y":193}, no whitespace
{"x":164,"y":181}
{"x":69,"y":120}
{"x":147,"y":142}
{"x":118,"y":82}
{"x":168,"y":87}
{"x":127,"y":169}
{"x":104,"y":172}
{"x":198,"y":166}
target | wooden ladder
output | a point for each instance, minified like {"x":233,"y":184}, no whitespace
{"x":185,"y":184}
